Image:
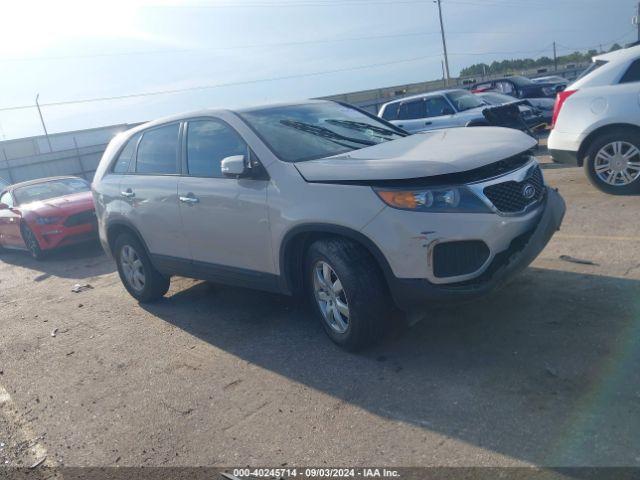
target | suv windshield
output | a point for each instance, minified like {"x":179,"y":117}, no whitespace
{"x":464,"y":100}
{"x":51,"y":189}
{"x":296,"y":133}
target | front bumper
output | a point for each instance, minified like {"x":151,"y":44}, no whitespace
{"x":55,"y":236}
{"x":413,"y":293}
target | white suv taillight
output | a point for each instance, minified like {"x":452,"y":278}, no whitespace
{"x":561,"y":97}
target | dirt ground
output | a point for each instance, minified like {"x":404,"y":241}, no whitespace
{"x":544,"y":372}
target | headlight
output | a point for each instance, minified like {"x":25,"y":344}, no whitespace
{"x":438,"y":199}
{"x":47,"y":220}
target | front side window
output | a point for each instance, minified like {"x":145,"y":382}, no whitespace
{"x":464,"y":100}
{"x":7,"y":199}
{"x":505,"y":87}
{"x":158,"y":151}
{"x":295,"y":133}
{"x":208,"y":143}
{"x":437,"y":106}
{"x":413,"y":110}
{"x":632,"y":74}
{"x":51,"y":189}
{"x":126,"y":155}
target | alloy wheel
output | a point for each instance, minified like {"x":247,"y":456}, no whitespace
{"x":618,"y":163}
{"x":132,"y":267}
{"x":331,"y":297}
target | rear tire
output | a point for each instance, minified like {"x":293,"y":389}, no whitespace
{"x":348,"y":293}
{"x":612,"y":163}
{"x":31,"y":242}
{"x":137,"y":273}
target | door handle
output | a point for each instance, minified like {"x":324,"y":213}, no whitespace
{"x":428,"y":123}
{"x":190,"y":198}
{"x":128,"y":193}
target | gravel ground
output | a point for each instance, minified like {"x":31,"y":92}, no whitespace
{"x":543,"y":372}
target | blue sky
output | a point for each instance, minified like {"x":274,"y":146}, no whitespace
{"x":75,"y":50}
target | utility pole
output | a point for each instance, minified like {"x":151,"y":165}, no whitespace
{"x":555,"y":57}
{"x":444,"y":43}
{"x":637,"y":20}
{"x":44,"y":127}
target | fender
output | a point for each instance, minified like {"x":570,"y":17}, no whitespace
{"x":123,"y":222}
{"x":287,"y":273}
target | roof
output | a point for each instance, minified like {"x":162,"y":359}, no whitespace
{"x":39,"y":180}
{"x":622,"y":54}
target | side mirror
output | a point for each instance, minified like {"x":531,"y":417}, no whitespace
{"x":234,"y":166}
{"x":4,"y":206}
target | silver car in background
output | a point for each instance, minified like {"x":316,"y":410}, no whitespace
{"x":433,"y":110}
{"x":322,"y":199}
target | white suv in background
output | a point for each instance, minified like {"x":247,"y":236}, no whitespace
{"x":596,"y":122}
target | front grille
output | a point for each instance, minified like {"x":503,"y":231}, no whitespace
{"x":509,"y":197}
{"x":451,"y":259}
{"x":81,"y":218}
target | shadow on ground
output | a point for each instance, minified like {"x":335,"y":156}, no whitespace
{"x":77,"y":262}
{"x":544,"y":371}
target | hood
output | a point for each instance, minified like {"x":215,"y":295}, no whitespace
{"x":61,"y":205}
{"x":436,"y":152}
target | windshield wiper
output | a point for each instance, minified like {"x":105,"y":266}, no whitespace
{"x":325,"y":133}
{"x":361,"y":126}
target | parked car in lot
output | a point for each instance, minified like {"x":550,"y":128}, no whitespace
{"x":40,"y":215}
{"x":519,"y":87}
{"x":533,"y":117}
{"x":597,"y":122}
{"x":323,"y":199}
{"x":439,"y":109}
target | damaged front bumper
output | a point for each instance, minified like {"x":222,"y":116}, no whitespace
{"x":414,"y":293}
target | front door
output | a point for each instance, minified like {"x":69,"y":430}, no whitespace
{"x":224,"y":219}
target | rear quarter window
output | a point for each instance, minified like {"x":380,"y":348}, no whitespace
{"x":390,"y":112}
{"x":633,"y":73}
{"x":126,"y":155}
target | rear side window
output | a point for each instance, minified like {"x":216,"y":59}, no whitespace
{"x":594,"y":66}
{"x":126,"y":155}
{"x":208,"y":143}
{"x":391,"y":111}
{"x":632,"y":74}
{"x":158,"y":151}
{"x":412,"y":110}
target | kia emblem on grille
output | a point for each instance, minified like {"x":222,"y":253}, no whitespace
{"x":528,"y":191}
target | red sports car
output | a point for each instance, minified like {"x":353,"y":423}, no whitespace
{"x":47,"y":213}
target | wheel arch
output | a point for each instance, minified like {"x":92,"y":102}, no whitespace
{"x":297,"y":240}
{"x":604,"y":130}
{"x":120,"y":226}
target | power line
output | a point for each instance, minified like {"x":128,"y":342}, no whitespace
{"x":219,"y":85}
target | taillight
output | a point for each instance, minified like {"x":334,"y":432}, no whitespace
{"x":561,"y":97}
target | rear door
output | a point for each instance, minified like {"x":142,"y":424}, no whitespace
{"x":225,"y":219}
{"x":150,"y":192}
{"x":9,"y":223}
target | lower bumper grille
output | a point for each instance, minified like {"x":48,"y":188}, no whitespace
{"x":514,"y":197}
{"x":451,"y":259}
{"x":81,"y":218}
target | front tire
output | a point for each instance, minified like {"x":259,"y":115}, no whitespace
{"x":612,"y":163}
{"x":348,"y":293}
{"x":137,"y":273}
{"x":31,"y":242}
